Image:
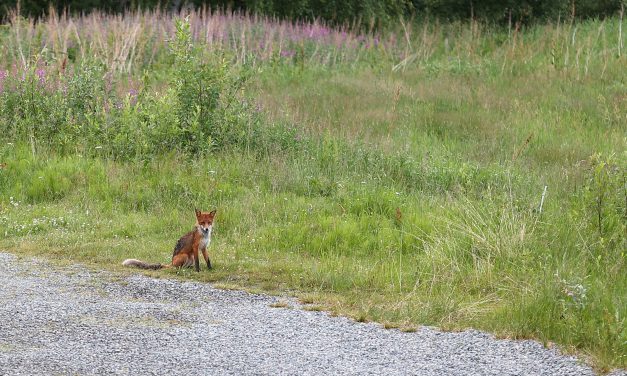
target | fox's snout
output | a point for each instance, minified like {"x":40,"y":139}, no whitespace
{"x":205,"y":229}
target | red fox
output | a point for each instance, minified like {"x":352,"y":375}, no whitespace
{"x":187,"y":248}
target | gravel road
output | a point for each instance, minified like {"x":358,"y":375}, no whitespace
{"x":72,"y":320}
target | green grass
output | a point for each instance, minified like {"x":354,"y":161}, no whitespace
{"x":405,"y":197}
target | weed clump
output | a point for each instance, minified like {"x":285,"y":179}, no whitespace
{"x":86,"y":111}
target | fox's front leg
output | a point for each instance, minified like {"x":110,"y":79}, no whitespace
{"x":196,"y":260}
{"x":206,"y":256}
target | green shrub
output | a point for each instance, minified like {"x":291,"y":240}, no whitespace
{"x":202,"y":108}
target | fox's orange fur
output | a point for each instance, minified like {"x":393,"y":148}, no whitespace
{"x":187,"y":248}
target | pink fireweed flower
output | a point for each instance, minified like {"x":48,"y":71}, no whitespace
{"x":41,"y":74}
{"x":317,"y":32}
{"x":133,"y":94}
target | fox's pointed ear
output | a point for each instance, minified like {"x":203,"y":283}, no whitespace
{"x":213,"y":212}
{"x":197,"y":212}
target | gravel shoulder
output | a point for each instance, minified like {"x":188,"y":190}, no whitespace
{"x":72,"y":320}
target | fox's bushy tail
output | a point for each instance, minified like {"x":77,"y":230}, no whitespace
{"x":142,"y":265}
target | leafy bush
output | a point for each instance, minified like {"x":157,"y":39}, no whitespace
{"x":84,"y":111}
{"x":601,"y":206}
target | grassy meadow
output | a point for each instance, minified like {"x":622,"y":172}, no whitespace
{"x":457,"y":175}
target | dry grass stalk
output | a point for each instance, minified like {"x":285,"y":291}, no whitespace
{"x":522,"y":147}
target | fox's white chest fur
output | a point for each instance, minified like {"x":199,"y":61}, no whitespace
{"x":206,"y":238}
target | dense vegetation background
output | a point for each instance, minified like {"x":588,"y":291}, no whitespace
{"x":364,"y":12}
{"x":458,"y":174}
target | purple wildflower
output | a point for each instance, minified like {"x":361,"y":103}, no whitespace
{"x":133,"y":94}
{"x":41,"y":74}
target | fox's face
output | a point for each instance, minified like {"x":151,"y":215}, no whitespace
{"x":204,"y":221}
